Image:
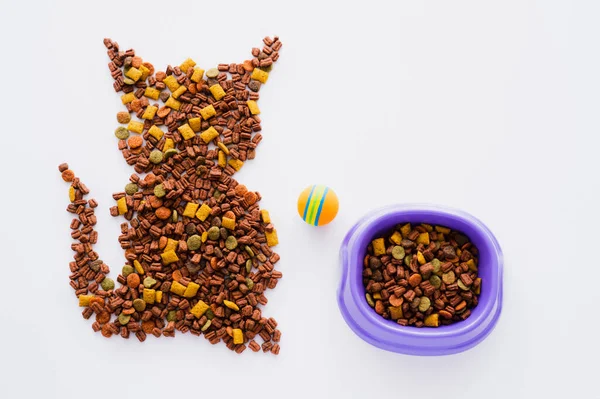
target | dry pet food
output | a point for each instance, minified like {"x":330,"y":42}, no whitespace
{"x":197,"y":252}
{"x":422,"y":275}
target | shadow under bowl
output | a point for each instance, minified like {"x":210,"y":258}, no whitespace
{"x":391,"y":336}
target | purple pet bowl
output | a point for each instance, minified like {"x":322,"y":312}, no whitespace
{"x":391,"y":336}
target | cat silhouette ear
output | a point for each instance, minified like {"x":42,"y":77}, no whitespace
{"x":262,"y":62}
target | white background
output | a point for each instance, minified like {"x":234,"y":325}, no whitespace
{"x":491,"y":107}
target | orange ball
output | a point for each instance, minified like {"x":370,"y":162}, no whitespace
{"x":318,"y":205}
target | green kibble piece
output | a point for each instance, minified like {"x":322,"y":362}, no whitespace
{"x":194,"y":242}
{"x":206,"y":325}
{"x":149,"y":282}
{"x":122,"y":133}
{"x":462,"y":286}
{"x":407,"y":260}
{"x":370,"y":300}
{"x":214,"y":233}
{"x":174,"y":216}
{"x":156,"y":156}
{"x":435,"y":281}
{"x":249,"y":283}
{"x":436,"y":265}
{"x":107,"y":284}
{"x":212,"y":73}
{"x":95,"y":265}
{"x":172,"y":315}
{"x":128,"y":81}
{"x":209,"y":314}
{"x":249,"y":265}
{"x":424,"y":304}
{"x":398,"y":252}
{"x":127,"y":270}
{"x":449,"y":278}
{"x":267,"y":68}
{"x":131,"y":188}
{"x":249,"y":251}
{"x":159,"y":191}
{"x":124,"y":318}
{"x":216,"y":194}
{"x":169,"y":153}
{"x":231,"y":243}
{"x":139,"y":304}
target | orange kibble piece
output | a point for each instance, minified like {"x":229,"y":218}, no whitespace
{"x":68,"y":175}
{"x":133,"y":280}
{"x":250,"y":198}
{"x":240,"y":190}
{"x":135,"y":141}
{"x":177,"y":275}
{"x":163,"y":213}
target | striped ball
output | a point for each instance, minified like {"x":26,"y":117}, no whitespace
{"x":318,"y":205}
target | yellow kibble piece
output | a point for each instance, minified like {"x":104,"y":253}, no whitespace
{"x":186,"y":131}
{"x":187,"y":64}
{"x":178,"y":288}
{"x":138,"y":267}
{"x":272,"y":239}
{"x":156,"y":132}
{"x":171,"y":245}
{"x":217,"y":91}
{"x":71,"y":193}
{"x":421,"y":258}
{"x":396,"y":238}
{"x":204,"y":236}
{"x":203,"y":212}
{"x":169,"y":257}
{"x":134,"y":73}
{"x":472,"y":265}
{"x":158,"y":296}
{"x":207,"y":112}
{"x":433,"y":320}
{"x":191,"y":290}
{"x":478,"y":288}
{"x":173,"y":104}
{"x":122,"y":206}
{"x":84,"y":300}
{"x":443,"y":230}
{"x":260,"y":75}
{"x":236,"y":164}
{"x":169,"y":145}
{"x":209,"y":134}
{"x":171,"y":82}
{"x":238,"y":336}
{"x":222,"y":161}
{"x":197,"y":75}
{"x":377,"y":295}
{"x":199,"y":309}
{"x":152,"y":93}
{"x":195,"y":124}
{"x":145,"y":72}
{"x":179,"y":91}
{"x":405,"y":230}
{"x":190,"y":209}
{"x":423,"y":238}
{"x":149,"y":296}
{"x":378,"y":246}
{"x":458,"y":252}
{"x":427,"y":227}
{"x":231,"y":305}
{"x":149,"y":112}
{"x":135,"y":127}
{"x":223,"y":148}
{"x":264,"y":215}
{"x":127,"y":98}
{"x":228,"y":223}
{"x":253,"y":107}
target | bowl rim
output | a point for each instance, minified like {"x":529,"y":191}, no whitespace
{"x":362,"y":232}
